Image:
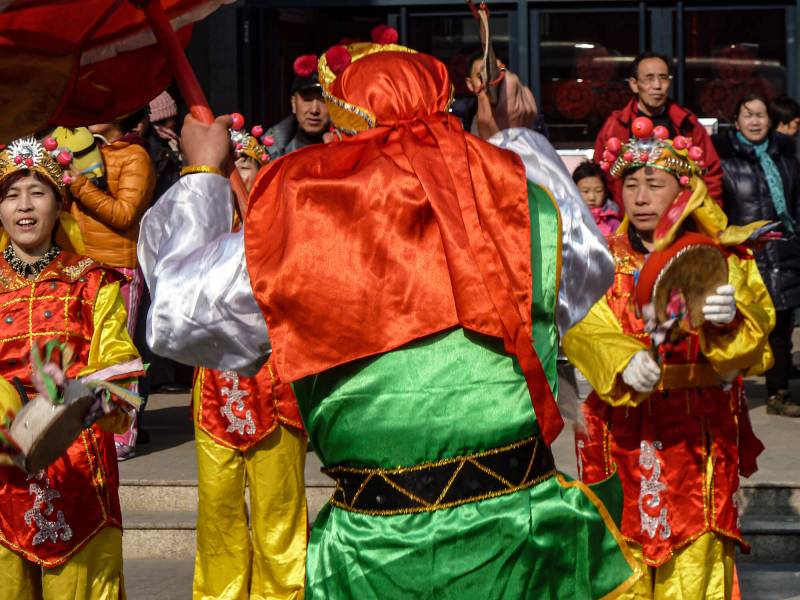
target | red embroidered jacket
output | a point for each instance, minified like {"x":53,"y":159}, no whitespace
{"x":49,"y":516}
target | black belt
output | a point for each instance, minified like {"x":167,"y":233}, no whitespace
{"x":444,"y":483}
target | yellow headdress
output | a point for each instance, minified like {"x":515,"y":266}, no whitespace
{"x":28,"y":154}
{"x":347,"y":117}
{"x":248,"y":144}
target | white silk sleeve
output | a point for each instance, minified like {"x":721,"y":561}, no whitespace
{"x":587,"y":269}
{"x":202,"y":310}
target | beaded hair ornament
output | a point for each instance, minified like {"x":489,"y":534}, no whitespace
{"x":45,"y":158}
{"x":650,"y":147}
{"x":252,"y":144}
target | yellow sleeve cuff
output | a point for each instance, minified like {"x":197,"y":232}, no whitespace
{"x":601,"y":350}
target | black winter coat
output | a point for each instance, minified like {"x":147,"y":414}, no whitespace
{"x":747,"y":199}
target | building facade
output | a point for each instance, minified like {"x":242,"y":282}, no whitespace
{"x":575,"y":54}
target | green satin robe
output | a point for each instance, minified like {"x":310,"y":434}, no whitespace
{"x":453,"y":394}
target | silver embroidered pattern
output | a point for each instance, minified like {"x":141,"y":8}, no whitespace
{"x":650,"y":492}
{"x":581,"y":445}
{"x":235,"y":402}
{"x":43,"y":499}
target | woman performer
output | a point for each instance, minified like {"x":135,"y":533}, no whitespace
{"x":60,"y":529}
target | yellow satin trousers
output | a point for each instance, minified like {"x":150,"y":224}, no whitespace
{"x":93,"y":573}
{"x":703,"y":569}
{"x":231,"y":563}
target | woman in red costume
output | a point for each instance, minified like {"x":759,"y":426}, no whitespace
{"x":671,"y":418}
{"x":60,"y":528}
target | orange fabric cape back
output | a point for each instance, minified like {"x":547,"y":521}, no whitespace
{"x":360,"y":246}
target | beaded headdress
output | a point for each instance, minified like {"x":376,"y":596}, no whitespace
{"x":28,"y":154}
{"x":252,"y":144}
{"x":650,"y":147}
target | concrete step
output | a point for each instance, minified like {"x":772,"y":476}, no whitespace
{"x":769,"y":498}
{"x":773,"y":538}
{"x":168,"y":532}
{"x":159,"y":535}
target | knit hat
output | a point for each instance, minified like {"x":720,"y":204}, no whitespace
{"x":162,"y":107}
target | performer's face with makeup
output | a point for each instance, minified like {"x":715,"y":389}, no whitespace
{"x":646,"y":195}
{"x":248,"y":169}
{"x":29,"y":207}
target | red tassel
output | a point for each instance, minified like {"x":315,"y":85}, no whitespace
{"x":305,"y":65}
{"x":383,"y":34}
{"x":338,"y":59}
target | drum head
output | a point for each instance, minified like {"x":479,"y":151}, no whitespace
{"x":44,"y":431}
{"x":696,"y":271}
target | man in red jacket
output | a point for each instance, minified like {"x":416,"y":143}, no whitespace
{"x":650,"y":79}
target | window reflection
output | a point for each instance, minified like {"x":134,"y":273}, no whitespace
{"x":584,"y":63}
{"x":730,"y":53}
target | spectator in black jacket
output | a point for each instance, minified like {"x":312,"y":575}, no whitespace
{"x":762,"y":181}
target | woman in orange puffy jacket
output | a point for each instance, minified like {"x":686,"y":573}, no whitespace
{"x":109,"y":216}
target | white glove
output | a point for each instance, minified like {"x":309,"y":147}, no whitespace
{"x":642,"y":373}
{"x":720,"y":308}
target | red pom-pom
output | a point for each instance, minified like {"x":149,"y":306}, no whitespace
{"x":64,"y":158}
{"x":680,"y":142}
{"x":642,"y":127}
{"x":305,"y":65}
{"x":257,"y":131}
{"x":268,"y":140}
{"x":338,"y":59}
{"x":66,"y":179}
{"x":18,"y":160}
{"x":50,"y":144}
{"x":608,"y":156}
{"x":644,"y":157}
{"x":695,"y":153}
{"x":614,"y":145}
{"x":684,"y":180}
{"x":264,"y":157}
{"x":239,"y":146}
{"x":238,"y":121}
{"x":628,"y":156}
{"x":661,"y":132}
{"x":605,"y":165}
{"x":383,"y":34}
{"x":29,"y":162}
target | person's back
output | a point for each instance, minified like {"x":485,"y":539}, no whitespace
{"x":422,"y":383}
{"x":650,"y":82}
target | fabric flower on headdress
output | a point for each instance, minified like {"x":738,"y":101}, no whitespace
{"x":650,"y":147}
{"x":305,"y":65}
{"x":252,"y":144}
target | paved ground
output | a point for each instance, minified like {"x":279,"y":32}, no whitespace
{"x":172,"y":580}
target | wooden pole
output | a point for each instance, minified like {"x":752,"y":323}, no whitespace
{"x":187,"y":83}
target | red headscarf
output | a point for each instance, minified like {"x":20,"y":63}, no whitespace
{"x":360,"y":246}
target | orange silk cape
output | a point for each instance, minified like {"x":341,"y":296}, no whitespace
{"x":360,"y":246}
